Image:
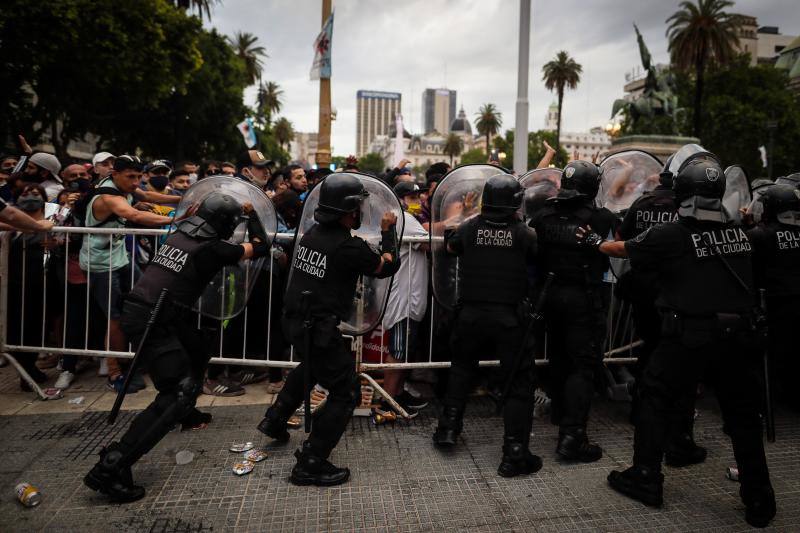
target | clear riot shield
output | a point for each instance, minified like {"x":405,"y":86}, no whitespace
{"x":539,"y":184}
{"x":625,"y":177}
{"x":455,"y":199}
{"x":371,"y":293}
{"x":227,"y":294}
{"x":737,"y":192}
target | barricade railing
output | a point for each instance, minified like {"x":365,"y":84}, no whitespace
{"x":42,"y":291}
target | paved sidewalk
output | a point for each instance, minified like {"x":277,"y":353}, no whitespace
{"x":399,"y":482}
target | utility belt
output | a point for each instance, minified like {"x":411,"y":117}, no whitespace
{"x":170,"y":310}
{"x":726,"y":325}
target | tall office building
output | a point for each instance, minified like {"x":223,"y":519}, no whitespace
{"x":438,"y":110}
{"x":375,"y":112}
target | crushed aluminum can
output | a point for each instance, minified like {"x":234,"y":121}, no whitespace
{"x":241,"y":468}
{"x":255,"y":455}
{"x":383,"y":418}
{"x":28,"y":495}
{"x":241,"y":446}
{"x":732,"y":473}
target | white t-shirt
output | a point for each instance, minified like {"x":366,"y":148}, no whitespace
{"x":52,"y":188}
{"x":409,"y":295}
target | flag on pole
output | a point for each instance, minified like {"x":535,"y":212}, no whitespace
{"x":248,"y":132}
{"x":321,"y":68}
{"x":399,"y":146}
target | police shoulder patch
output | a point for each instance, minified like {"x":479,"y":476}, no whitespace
{"x":569,"y":171}
{"x":712,"y":174}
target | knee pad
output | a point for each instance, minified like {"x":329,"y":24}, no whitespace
{"x":188,"y":389}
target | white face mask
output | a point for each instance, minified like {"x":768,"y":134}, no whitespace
{"x":192,"y":177}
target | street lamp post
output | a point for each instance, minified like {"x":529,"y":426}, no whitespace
{"x":521,"y":126}
{"x":323,"y":156}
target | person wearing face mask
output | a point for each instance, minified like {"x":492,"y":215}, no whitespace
{"x":191,"y":169}
{"x":179,"y":182}
{"x":156,"y":176}
{"x":253,"y":167}
{"x":409,"y":194}
{"x":26,"y":270}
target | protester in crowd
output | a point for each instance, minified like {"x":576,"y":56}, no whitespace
{"x":295,"y":177}
{"x":253,"y":167}
{"x":12,"y":218}
{"x":228,"y":168}
{"x":102,"y":163}
{"x":190,"y":167}
{"x":7,"y":164}
{"x":104,"y":257}
{"x":179,"y":182}
{"x":43,"y":169}
{"x":276,"y":185}
{"x":391,"y":176}
{"x":408,"y":301}
{"x":210,"y":168}
{"x":156,"y":176}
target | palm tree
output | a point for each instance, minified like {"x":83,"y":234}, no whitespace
{"x":561,"y":73}
{"x":201,"y":6}
{"x":700,"y":35}
{"x":268,"y":100}
{"x":284,"y":132}
{"x":453,"y":146}
{"x":244,"y":44}
{"x":489,"y":122}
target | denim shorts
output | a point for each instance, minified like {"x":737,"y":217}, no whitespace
{"x":109,"y":287}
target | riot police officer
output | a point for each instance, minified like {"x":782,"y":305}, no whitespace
{"x":328,"y":262}
{"x":576,"y":307}
{"x":175,"y":353}
{"x":494,"y":250}
{"x":704,"y":272}
{"x":776,"y":262}
{"x":639,"y":288}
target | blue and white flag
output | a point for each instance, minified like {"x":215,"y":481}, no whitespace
{"x":248,"y":132}
{"x":321,"y":68}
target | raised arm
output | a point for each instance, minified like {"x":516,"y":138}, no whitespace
{"x":121,"y":208}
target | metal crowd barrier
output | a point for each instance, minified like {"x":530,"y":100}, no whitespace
{"x":619,"y":346}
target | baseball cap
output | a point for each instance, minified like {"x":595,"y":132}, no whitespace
{"x":157,"y":164}
{"x":253,"y":158}
{"x":48,"y":162}
{"x":404,"y":188}
{"x":126,"y":162}
{"x":99,"y":157}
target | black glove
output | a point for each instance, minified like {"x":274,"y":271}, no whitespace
{"x":591,"y":240}
{"x":389,"y":242}
{"x":255,"y":229}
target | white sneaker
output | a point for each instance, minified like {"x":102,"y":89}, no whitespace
{"x":64,"y":380}
{"x":103,"y":370}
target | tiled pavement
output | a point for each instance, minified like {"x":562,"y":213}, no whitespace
{"x":399,"y":482}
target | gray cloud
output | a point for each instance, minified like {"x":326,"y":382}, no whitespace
{"x":467,"y":45}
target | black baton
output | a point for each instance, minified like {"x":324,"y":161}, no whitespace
{"x":535,"y":317}
{"x":764,"y":333}
{"x":136,"y":361}
{"x":308,"y":324}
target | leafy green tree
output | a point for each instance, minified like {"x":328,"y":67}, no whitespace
{"x":71,"y":66}
{"x":284,"y":132}
{"x":251,"y":53}
{"x":471,"y":157}
{"x":739,"y":101}
{"x":701,"y":35}
{"x":488,"y":123}
{"x":559,"y":74}
{"x":372,"y":163}
{"x":453,"y":146}
{"x":269,"y":101}
{"x":201,"y":6}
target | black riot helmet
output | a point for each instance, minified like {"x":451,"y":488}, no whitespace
{"x":217,"y":217}
{"x":781,"y":203}
{"x":339,"y":195}
{"x":502,"y":195}
{"x":582,"y":177}
{"x":666,"y":176}
{"x":791,"y":179}
{"x":699,"y":187}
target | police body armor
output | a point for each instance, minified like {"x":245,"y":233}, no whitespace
{"x":655,"y":207}
{"x":492,"y":268}
{"x":316,"y":269}
{"x":696,"y":282}
{"x":559,"y":252}
{"x":781,"y":258}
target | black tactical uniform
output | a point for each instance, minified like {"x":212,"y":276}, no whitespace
{"x":494,"y":250}
{"x":328,"y":262}
{"x":776,"y":263}
{"x":176,"y":351}
{"x":577,"y":304}
{"x":704,"y":272}
{"x":640,"y":289}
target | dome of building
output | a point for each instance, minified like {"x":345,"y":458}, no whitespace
{"x":461,"y":124}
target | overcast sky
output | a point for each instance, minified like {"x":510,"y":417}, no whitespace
{"x":466,"y":45}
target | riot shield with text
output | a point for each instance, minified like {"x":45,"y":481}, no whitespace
{"x":226,"y":296}
{"x":737,"y":193}
{"x":371,"y":293}
{"x":539,"y":184}
{"x":625,"y":176}
{"x":455,"y":199}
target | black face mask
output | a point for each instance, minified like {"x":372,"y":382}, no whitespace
{"x":79,"y":185}
{"x":159,"y":182}
{"x":30,"y":203}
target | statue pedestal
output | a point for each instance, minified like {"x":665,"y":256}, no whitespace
{"x":661,"y":146}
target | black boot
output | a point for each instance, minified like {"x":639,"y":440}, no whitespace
{"x":196,"y":419}
{"x":760,"y":505}
{"x":683,"y":451}
{"x":576,"y":447}
{"x":113,"y":479}
{"x":312,"y":469}
{"x":517,"y":459}
{"x":274,"y":423}
{"x":449,"y":428}
{"x":639,"y":483}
